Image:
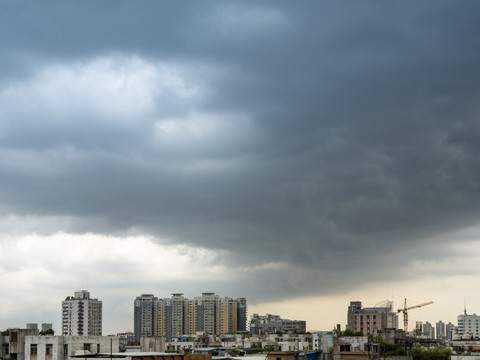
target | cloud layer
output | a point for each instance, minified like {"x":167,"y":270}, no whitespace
{"x":280,"y":142}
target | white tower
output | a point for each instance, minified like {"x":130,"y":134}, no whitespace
{"x":81,"y":315}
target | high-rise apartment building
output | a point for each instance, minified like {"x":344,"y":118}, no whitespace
{"x":81,"y":315}
{"x":428,"y":330}
{"x":449,"y":331}
{"x":367,"y":320}
{"x":190,"y":316}
{"x":178,"y":315}
{"x":143,"y":315}
{"x":440,"y":330}
{"x":242,"y":314}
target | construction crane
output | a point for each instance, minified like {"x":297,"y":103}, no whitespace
{"x":405,"y":313}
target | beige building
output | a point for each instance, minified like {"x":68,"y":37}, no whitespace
{"x":368,"y":320}
{"x":177,"y":316}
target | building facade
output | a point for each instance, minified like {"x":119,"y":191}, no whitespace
{"x":13,"y":343}
{"x":176,"y":316}
{"x":66,"y":347}
{"x":368,"y":320}
{"x":261,"y":324}
{"x":143,"y":315}
{"x":81,"y":315}
{"x":468,"y":324}
{"x":428,"y":330}
{"x":449,"y":330}
{"x":440,"y":330}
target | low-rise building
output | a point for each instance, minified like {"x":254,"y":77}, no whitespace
{"x":67,"y":347}
{"x":13,"y":342}
{"x":260,"y":324}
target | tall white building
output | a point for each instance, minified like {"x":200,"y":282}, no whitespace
{"x":81,"y":315}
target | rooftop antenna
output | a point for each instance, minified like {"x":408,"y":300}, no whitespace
{"x":464,"y":305}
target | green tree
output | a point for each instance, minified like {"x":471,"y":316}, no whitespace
{"x":47,"y":332}
{"x":434,"y":353}
{"x":387,"y":348}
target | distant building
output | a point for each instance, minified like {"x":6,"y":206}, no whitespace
{"x":418,"y":328}
{"x":468,"y":324}
{"x":143,"y":317}
{"x":31,"y":326}
{"x":176,"y":316}
{"x":449,"y":331}
{"x":367,"y":320}
{"x":428,"y":330}
{"x":81,"y":315}
{"x":47,"y":326}
{"x":260,"y":324}
{"x":440,"y":330}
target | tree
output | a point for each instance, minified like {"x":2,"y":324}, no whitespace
{"x":435,"y":353}
{"x":47,"y":332}
{"x":350,"y":332}
{"x":387,"y":348}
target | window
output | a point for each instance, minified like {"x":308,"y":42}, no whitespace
{"x":33,"y":349}
{"x":65,"y":350}
{"x":98,"y":348}
{"x":48,"y":349}
{"x":344,"y":348}
{"x":86,"y":347}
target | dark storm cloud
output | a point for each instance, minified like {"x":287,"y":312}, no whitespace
{"x":340,"y":131}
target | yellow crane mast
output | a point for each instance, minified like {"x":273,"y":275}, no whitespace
{"x":405,"y":313}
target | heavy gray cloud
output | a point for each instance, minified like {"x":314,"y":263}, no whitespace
{"x":310,"y":135}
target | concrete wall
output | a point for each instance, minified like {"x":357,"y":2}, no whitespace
{"x":356,"y":343}
{"x":64,"y":347}
{"x":152,"y":344}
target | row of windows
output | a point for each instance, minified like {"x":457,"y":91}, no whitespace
{"x":48,"y":349}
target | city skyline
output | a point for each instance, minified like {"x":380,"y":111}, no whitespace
{"x":130,"y":318}
{"x":299,"y":155}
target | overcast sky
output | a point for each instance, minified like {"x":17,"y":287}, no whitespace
{"x":301,"y":155}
